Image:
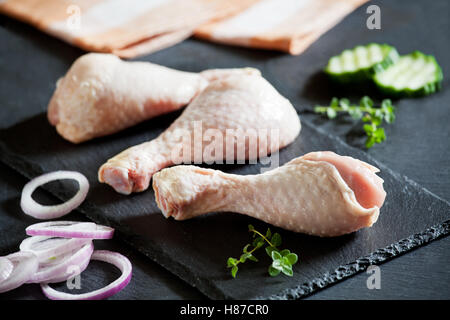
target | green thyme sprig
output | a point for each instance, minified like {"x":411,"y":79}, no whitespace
{"x":282,"y":261}
{"x":371,"y":116}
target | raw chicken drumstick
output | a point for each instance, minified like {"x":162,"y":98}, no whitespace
{"x":101,"y":94}
{"x":238,"y":102}
{"x":321,"y":194}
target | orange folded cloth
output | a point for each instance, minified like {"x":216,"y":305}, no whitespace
{"x":286,"y":25}
{"x":129,"y":28}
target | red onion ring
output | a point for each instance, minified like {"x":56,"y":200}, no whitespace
{"x":114,"y":258}
{"x":70,"y":229}
{"x":25,"y":265}
{"x":56,"y":271}
{"x":46,"y":248}
{"x":6,"y":267}
{"x":36,"y":210}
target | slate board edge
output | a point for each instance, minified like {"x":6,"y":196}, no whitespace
{"x":359,"y":265}
{"x":206,"y":287}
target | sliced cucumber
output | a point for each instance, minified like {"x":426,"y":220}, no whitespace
{"x":414,"y":74}
{"x":361,"y":63}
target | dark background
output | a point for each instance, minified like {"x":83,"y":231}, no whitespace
{"x":417,"y":146}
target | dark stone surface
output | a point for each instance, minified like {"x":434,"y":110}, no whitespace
{"x":196,"y":249}
{"x":418,"y":274}
{"x":34,"y":147}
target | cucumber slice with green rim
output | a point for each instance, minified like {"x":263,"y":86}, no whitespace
{"x":361,"y":63}
{"x":414,"y":74}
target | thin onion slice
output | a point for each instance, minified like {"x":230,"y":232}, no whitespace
{"x":70,"y":229}
{"x":25,"y":265}
{"x":46,"y":248}
{"x":114,"y":258}
{"x":36,"y":210}
{"x":6,"y":268}
{"x":56,"y":271}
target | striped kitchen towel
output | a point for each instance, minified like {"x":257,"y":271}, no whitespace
{"x":286,"y":25}
{"x":129,"y":28}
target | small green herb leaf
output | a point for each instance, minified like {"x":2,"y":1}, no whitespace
{"x":258,"y":242}
{"x":293,"y":258}
{"x":355,"y":113}
{"x":370,"y":142}
{"x":366,"y":102}
{"x":331,"y":113}
{"x":277,"y":264}
{"x":244,"y":257}
{"x":334,"y":103}
{"x":276,"y":239}
{"x":368,"y":128}
{"x":234,"y":271}
{"x":268,"y":234}
{"x":287,"y":270}
{"x":344,"y":103}
{"x":273,"y":272}
{"x":269,"y":250}
{"x":231,"y":262}
{"x":276,"y":255}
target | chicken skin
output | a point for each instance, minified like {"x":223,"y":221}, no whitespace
{"x":234,"y":118}
{"x":101,"y":94}
{"x":321,"y":193}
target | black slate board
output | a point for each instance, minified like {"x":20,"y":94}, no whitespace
{"x":196,"y":250}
